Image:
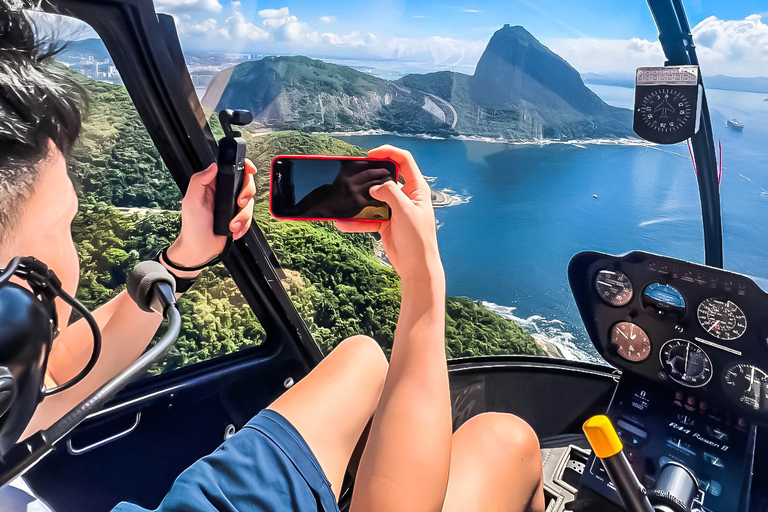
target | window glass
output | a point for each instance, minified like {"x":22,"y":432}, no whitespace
{"x":130,"y":207}
{"x":520,"y":118}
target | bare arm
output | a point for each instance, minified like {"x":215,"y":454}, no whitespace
{"x":407,"y":457}
{"x":127,"y":330}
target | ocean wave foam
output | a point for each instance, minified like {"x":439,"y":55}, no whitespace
{"x":551,"y":330}
{"x":455,"y":198}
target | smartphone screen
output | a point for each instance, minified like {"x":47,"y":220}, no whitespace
{"x":329,"y":188}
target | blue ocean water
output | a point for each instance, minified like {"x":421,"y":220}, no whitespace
{"x":527,"y":209}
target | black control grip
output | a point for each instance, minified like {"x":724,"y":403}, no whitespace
{"x":229,"y":183}
{"x":229,"y":178}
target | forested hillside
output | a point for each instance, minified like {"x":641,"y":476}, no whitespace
{"x":129,"y":210}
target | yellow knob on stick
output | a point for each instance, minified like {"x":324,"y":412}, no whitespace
{"x":602,"y":436}
{"x":608,"y":448}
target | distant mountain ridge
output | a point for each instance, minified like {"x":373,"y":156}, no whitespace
{"x":520,"y":91}
{"x":723,"y":82}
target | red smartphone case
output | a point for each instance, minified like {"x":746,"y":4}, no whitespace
{"x":325,"y":157}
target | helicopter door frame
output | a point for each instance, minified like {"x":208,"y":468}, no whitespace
{"x":147,"y":53}
{"x":677,"y":42}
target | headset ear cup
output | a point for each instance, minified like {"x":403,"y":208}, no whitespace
{"x":7,"y":389}
{"x":25,"y":341}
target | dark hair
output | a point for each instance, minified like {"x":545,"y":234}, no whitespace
{"x":39,"y":103}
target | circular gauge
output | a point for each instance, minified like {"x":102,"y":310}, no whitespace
{"x":722,"y":318}
{"x":664,"y":296}
{"x":748,"y":385}
{"x":665,"y":110}
{"x":686,"y":363}
{"x":614,"y":287}
{"x":631,"y":341}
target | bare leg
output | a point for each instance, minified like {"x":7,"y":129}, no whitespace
{"x":332,"y":405}
{"x":495,"y":466}
{"x":406,"y":461}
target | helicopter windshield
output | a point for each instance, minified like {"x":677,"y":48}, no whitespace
{"x":518,"y":114}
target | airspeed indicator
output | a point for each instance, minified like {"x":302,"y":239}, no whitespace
{"x":722,"y":319}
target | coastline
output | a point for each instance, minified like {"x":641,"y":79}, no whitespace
{"x":626,"y":141}
{"x":550,"y":348}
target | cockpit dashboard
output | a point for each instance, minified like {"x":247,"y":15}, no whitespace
{"x":699,"y":330}
{"x":691,"y":342}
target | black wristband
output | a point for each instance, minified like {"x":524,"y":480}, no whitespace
{"x":181,"y":268}
{"x":182,"y":284}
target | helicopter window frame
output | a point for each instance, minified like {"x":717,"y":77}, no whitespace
{"x":145,"y":49}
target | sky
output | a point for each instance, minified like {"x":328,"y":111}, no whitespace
{"x":601,"y":36}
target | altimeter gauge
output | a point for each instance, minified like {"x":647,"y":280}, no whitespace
{"x":686,"y":363}
{"x":631,"y":342}
{"x":722,"y":319}
{"x":614,"y":287}
{"x":748,"y":385}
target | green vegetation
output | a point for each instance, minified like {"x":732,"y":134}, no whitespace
{"x":129,"y":210}
{"x":115,"y":160}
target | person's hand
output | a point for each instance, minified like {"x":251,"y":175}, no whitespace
{"x":197,"y":243}
{"x":410,"y":237}
{"x":346,"y":196}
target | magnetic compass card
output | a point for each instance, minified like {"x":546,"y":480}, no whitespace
{"x":667,"y":103}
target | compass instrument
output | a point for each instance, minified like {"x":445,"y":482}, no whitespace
{"x":614,"y":287}
{"x":686,"y":363}
{"x":631,"y":342}
{"x":667,"y":103}
{"x":747,"y":384}
{"x":722,"y":318}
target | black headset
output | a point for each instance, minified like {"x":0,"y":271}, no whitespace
{"x":28,"y":326}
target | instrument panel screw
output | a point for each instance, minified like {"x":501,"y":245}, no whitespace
{"x":288,"y":383}
{"x":662,"y":376}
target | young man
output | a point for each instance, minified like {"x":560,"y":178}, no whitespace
{"x":293,"y":455}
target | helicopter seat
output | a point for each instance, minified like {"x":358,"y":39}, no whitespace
{"x":564,"y":458}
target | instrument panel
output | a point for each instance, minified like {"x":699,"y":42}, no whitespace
{"x":692,"y":327}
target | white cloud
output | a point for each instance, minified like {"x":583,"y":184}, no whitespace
{"x":352,"y":40}
{"x":327,"y":19}
{"x":608,"y":55}
{"x":729,"y":47}
{"x":440,"y":51}
{"x":203,"y":29}
{"x":178,"y":6}
{"x":240,"y":28}
{"x":274,"y":13}
{"x":418,"y":16}
{"x":737,"y":47}
{"x":281,"y":32}
{"x":282,"y":26}
{"x":470,"y":10}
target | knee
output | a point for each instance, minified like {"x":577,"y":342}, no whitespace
{"x":504,"y":436}
{"x":365,"y":354}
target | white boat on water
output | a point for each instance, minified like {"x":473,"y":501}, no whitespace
{"x":734,"y":124}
